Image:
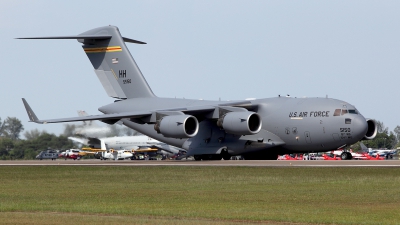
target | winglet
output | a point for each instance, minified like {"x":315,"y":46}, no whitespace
{"x":31,"y":114}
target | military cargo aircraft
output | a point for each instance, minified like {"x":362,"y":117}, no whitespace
{"x":254,"y":128}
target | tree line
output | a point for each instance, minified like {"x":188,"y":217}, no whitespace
{"x":384,"y":139}
{"x":13,"y":147}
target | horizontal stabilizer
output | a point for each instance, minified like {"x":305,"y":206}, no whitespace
{"x":72,"y":37}
{"x":91,"y":37}
{"x":133,"y":41}
{"x":112,"y":62}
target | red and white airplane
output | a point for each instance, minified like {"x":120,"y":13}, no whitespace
{"x":326,"y":157}
{"x":288,"y":157}
{"x":73,"y":154}
{"x":354,"y":155}
{"x":378,"y":157}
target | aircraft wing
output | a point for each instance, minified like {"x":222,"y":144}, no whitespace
{"x":93,"y":150}
{"x":168,"y":148}
{"x":114,"y":117}
{"x":146,"y":149}
{"x":154,"y":148}
{"x":83,"y":153}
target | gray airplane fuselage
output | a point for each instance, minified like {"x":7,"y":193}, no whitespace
{"x":303,"y":124}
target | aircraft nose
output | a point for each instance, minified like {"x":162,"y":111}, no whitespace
{"x":360,"y":127}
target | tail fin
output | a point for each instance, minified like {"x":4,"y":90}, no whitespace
{"x":82,"y":113}
{"x":363,"y":147}
{"x":86,"y":123}
{"x":112,"y":61}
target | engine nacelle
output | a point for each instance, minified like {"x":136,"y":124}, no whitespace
{"x":371,"y":131}
{"x":241,"y":123}
{"x":177,"y":126}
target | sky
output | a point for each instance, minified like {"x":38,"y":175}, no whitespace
{"x":228,"y":50}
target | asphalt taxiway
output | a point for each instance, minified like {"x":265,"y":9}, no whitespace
{"x":250,"y":163}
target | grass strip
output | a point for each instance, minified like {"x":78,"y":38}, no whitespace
{"x":219,"y":194}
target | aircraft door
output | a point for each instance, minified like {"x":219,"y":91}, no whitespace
{"x":308,"y":137}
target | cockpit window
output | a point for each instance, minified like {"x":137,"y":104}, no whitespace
{"x":353,"y":111}
{"x":337,"y":112}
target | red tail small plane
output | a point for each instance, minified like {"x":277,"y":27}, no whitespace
{"x":374,"y":158}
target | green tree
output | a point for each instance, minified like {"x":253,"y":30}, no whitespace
{"x":6,"y":145}
{"x":397,"y":132}
{"x":33,"y":134}
{"x":12,"y":128}
{"x":28,"y":149}
{"x":1,"y":128}
{"x":382,"y":140}
{"x":381,"y":127}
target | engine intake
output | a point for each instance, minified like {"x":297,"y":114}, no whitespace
{"x":241,"y":123}
{"x":371,"y":131}
{"x":177,"y":126}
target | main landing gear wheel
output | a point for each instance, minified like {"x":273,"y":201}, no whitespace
{"x":211,"y":157}
{"x":197,"y":157}
{"x":350,"y":155}
{"x":346,"y":156}
{"x":226,"y":157}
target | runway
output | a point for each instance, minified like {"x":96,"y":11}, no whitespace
{"x":244,"y":163}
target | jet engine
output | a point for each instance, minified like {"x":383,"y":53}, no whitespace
{"x":371,"y":131}
{"x":177,"y":126}
{"x":240,"y":123}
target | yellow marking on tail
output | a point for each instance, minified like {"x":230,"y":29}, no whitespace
{"x":103,"y":49}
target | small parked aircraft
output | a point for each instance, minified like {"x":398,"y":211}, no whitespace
{"x":48,"y":154}
{"x":326,"y":157}
{"x":113,"y":154}
{"x":73,"y":154}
